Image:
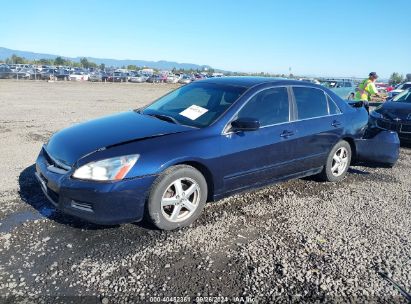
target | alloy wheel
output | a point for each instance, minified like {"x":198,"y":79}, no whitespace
{"x":180,"y":200}
{"x":339,"y":162}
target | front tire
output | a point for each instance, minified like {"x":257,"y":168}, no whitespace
{"x":177,"y":198}
{"x":338,"y":162}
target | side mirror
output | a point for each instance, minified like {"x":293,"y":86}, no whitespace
{"x":356,"y":103}
{"x":245,"y":124}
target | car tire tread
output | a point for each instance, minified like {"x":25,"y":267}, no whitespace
{"x":326,"y":174}
{"x":153,"y":212}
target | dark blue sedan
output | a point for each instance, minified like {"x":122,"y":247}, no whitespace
{"x":204,"y":141}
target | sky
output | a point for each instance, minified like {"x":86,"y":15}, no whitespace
{"x":310,"y":37}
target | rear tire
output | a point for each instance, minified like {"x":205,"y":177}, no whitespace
{"x":177,"y":198}
{"x":338,"y":162}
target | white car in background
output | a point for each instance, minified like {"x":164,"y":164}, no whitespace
{"x":138,"y":78}
{"x":185,"y":79}
{"x":399,"y":89}
{"x":79,"y":76}
{"x":172,"y":78}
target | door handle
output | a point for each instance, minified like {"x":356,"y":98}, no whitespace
{"x":287,"y":133}
{"x":336,"y":123}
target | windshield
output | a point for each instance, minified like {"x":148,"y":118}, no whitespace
{"x":197,"y":104}
{"x":404,"y":86}
{"x":403,"y":97}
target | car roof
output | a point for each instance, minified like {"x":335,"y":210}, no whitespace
{"x":248,"y":82}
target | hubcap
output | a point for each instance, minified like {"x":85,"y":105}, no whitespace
{"x":180,"y":200}
{"x":339,"y":162}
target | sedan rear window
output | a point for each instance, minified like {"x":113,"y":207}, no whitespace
{"x":333,"y":108}
{"x":197,"y":104}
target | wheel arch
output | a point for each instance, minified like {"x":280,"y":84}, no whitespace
{"x":205,"y":171}
{"x":352,"y":146}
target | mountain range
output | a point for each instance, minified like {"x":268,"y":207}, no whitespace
{"x":161,"y":65}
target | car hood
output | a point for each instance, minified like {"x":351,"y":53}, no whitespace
{"x":395,"y":109}
{"x":70,"y":144}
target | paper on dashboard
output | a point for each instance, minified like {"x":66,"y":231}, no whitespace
{"x":193,"y":112}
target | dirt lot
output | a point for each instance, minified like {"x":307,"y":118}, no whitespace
{"x":297,"y":241}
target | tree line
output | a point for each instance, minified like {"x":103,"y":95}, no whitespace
{"x":397,"y":78}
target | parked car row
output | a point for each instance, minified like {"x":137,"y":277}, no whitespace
{"x":44,"y":73}
{"x":95,"y":75}
{"x":138,"y":77}
{"x":344,"y":88}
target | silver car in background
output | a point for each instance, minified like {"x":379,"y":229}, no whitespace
{"x":185,"y":79}
{"x":138,"y":78}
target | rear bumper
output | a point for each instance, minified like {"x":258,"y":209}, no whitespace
{"x":105,"y":203}
{"x":382,"y":147}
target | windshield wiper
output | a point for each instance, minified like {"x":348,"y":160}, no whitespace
{"x":165,"y":117}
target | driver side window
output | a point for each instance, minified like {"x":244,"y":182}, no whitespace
{"x":269,"y":107}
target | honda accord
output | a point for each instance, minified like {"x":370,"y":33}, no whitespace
{"x":204,"y":141}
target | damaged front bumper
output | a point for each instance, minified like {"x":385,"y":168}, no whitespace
{"x":106,"y":203}
{"x":402,"y":127}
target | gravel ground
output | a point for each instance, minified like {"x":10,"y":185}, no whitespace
{"x":299,"y":241}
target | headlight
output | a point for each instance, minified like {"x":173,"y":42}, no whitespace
{"x":110,"y":169}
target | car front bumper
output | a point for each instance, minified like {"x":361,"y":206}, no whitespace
{"x":106,"y":203}
{"x":403,"y":128}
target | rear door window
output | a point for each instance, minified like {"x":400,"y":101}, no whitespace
{"x":311,"y":102}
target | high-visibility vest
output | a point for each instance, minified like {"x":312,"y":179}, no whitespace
{"x":365,"y":90}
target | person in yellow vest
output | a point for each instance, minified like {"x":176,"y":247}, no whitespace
{"x":366,"y":89}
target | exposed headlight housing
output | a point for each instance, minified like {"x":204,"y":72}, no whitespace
{"x":111,"y":169}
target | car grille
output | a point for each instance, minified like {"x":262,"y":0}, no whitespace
{"x":82,"y":206}
{"x":53,"y":195}
{"x":405,"y":129}
{"x":386,"y":125}
{"x":54,"y":165}
{"x":47,"y":157}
